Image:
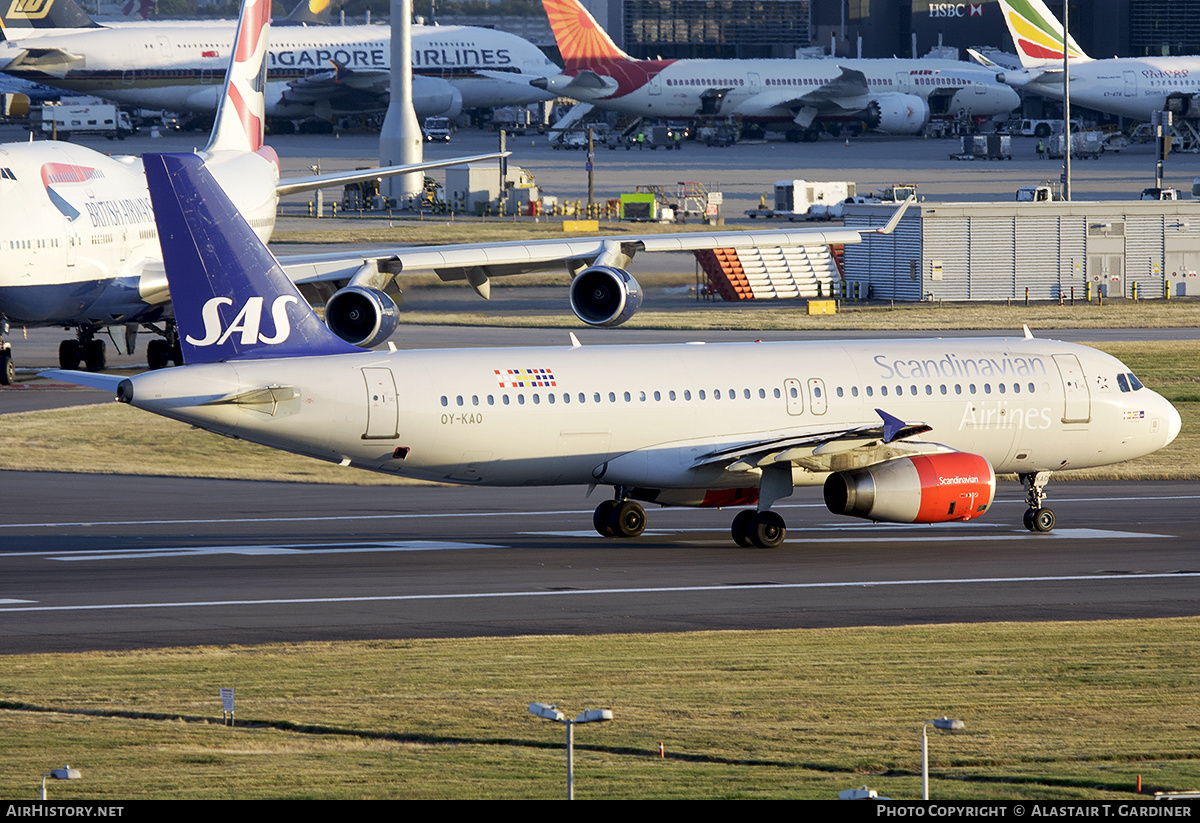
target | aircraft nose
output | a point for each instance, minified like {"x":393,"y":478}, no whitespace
{"x":1174,"y":423}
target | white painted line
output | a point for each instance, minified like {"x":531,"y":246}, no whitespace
{"x":657,"y":590}
{"x":263,"y":551}
{"x":4,"y":601}
{"x":888,"y":537}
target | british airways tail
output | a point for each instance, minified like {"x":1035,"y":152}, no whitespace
{"x":242,"y":110}
{"x":581,"y":41}
{"x":232,"y":300}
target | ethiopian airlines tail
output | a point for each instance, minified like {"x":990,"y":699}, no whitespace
{"x":1037,"y":34}
{"x":581,"y":40}
{"x":214,"y":261}
{"x":241,"y":114}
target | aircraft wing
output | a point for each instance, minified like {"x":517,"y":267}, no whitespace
{"x":824,"y":450}
{"x":55,"y":62}
{"x":477,"y":263}
{"x":846,"y":92}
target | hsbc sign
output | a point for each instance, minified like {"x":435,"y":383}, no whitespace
{"x":956,"y":9}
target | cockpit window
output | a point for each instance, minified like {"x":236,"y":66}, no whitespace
{"x":1137,"y":384}
{"x":1122,"y":382}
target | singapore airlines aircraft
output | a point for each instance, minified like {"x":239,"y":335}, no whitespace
{"x":78,"y":242}
{"x":687,"y":425}
{"x":1130,"y":87}
{"x":312,"y":70}
{"x":896,"y":96}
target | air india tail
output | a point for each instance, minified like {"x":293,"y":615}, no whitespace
{"x":581,"y":40}
{"x":242,"y":111}
{"x":1037,"y":34}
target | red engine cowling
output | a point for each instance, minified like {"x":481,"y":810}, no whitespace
{"x":927,"y":488}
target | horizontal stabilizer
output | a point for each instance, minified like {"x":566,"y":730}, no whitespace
{"x":295,"y":185}
{"x":105,"y":382}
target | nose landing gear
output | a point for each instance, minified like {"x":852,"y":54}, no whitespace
{"x":1037,"y":518}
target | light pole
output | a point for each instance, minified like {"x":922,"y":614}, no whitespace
{"x":945,"y":724}
{"x":550,"y":712}
{"x":65,"y":773}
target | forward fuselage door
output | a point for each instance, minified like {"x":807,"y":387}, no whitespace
{"x":383,"y":412}
{"x":1078,"y":399}
{"x":794,"y":393}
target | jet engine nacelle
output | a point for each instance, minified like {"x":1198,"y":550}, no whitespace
{"x":605,"y":296}
{"x":361,"y":315}
{"x":898,"y":113}
{"x":434,"y":97}
{"x":926,"y":488}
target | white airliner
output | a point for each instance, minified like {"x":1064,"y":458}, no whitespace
{"x":312,"y":70}
{"x":896,"y":96}
{"x":904,"y":431}
{"x":78,"y":244}
{"x":1130,"y":87}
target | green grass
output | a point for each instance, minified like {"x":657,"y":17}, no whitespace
{"x":1059,"y":710}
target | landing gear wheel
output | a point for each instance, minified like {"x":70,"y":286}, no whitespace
{"x":628,"y":519}
{"x":602,"y":518}
{"x":94,"y":355}
{"x":8,"y":371}
{"x":1027,"y":520}
{"x":741,"y":528}
{"x":1043,"y":520}
{"x":68,"y":354}
{"x":767,"y":530}
{"x":158,"y":354}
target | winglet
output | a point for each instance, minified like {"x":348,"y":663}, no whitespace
{"x":979,"y":58}
{"x":891,"y":425}
{"x":895,"y":221}
{"x":222,"y":278}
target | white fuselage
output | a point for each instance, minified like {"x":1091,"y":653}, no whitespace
{"x":1129,"y":87}
{"x":181,"y":67}
{"x":652,"y":416}
{"x":771,"y":89}
{"x":77,"y":234}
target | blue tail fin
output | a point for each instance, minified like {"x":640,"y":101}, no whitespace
{"x":231,"y":298}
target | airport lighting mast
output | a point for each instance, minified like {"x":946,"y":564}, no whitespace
{"x":1066,"y":178}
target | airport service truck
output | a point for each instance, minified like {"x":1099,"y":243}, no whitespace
{"x":59,"y":121}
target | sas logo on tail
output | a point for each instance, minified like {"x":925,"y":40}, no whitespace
{"x":28,"y":9}
{"x":248,"y":322}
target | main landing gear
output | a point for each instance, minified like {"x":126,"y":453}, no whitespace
{"x":163,"y":351}
{"x":619,"y":518}
{"x":761,"y":527}
{"x":764,"y":530}
{"x":1037,"y":518}
{"x":84,"y":347}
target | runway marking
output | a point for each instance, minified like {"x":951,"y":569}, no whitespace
{"x":265,"y":550}
{"x":657,"y":590}
{"x":431,"y":515}
{"x":4,"y":601}
{"x":888,"y":537}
